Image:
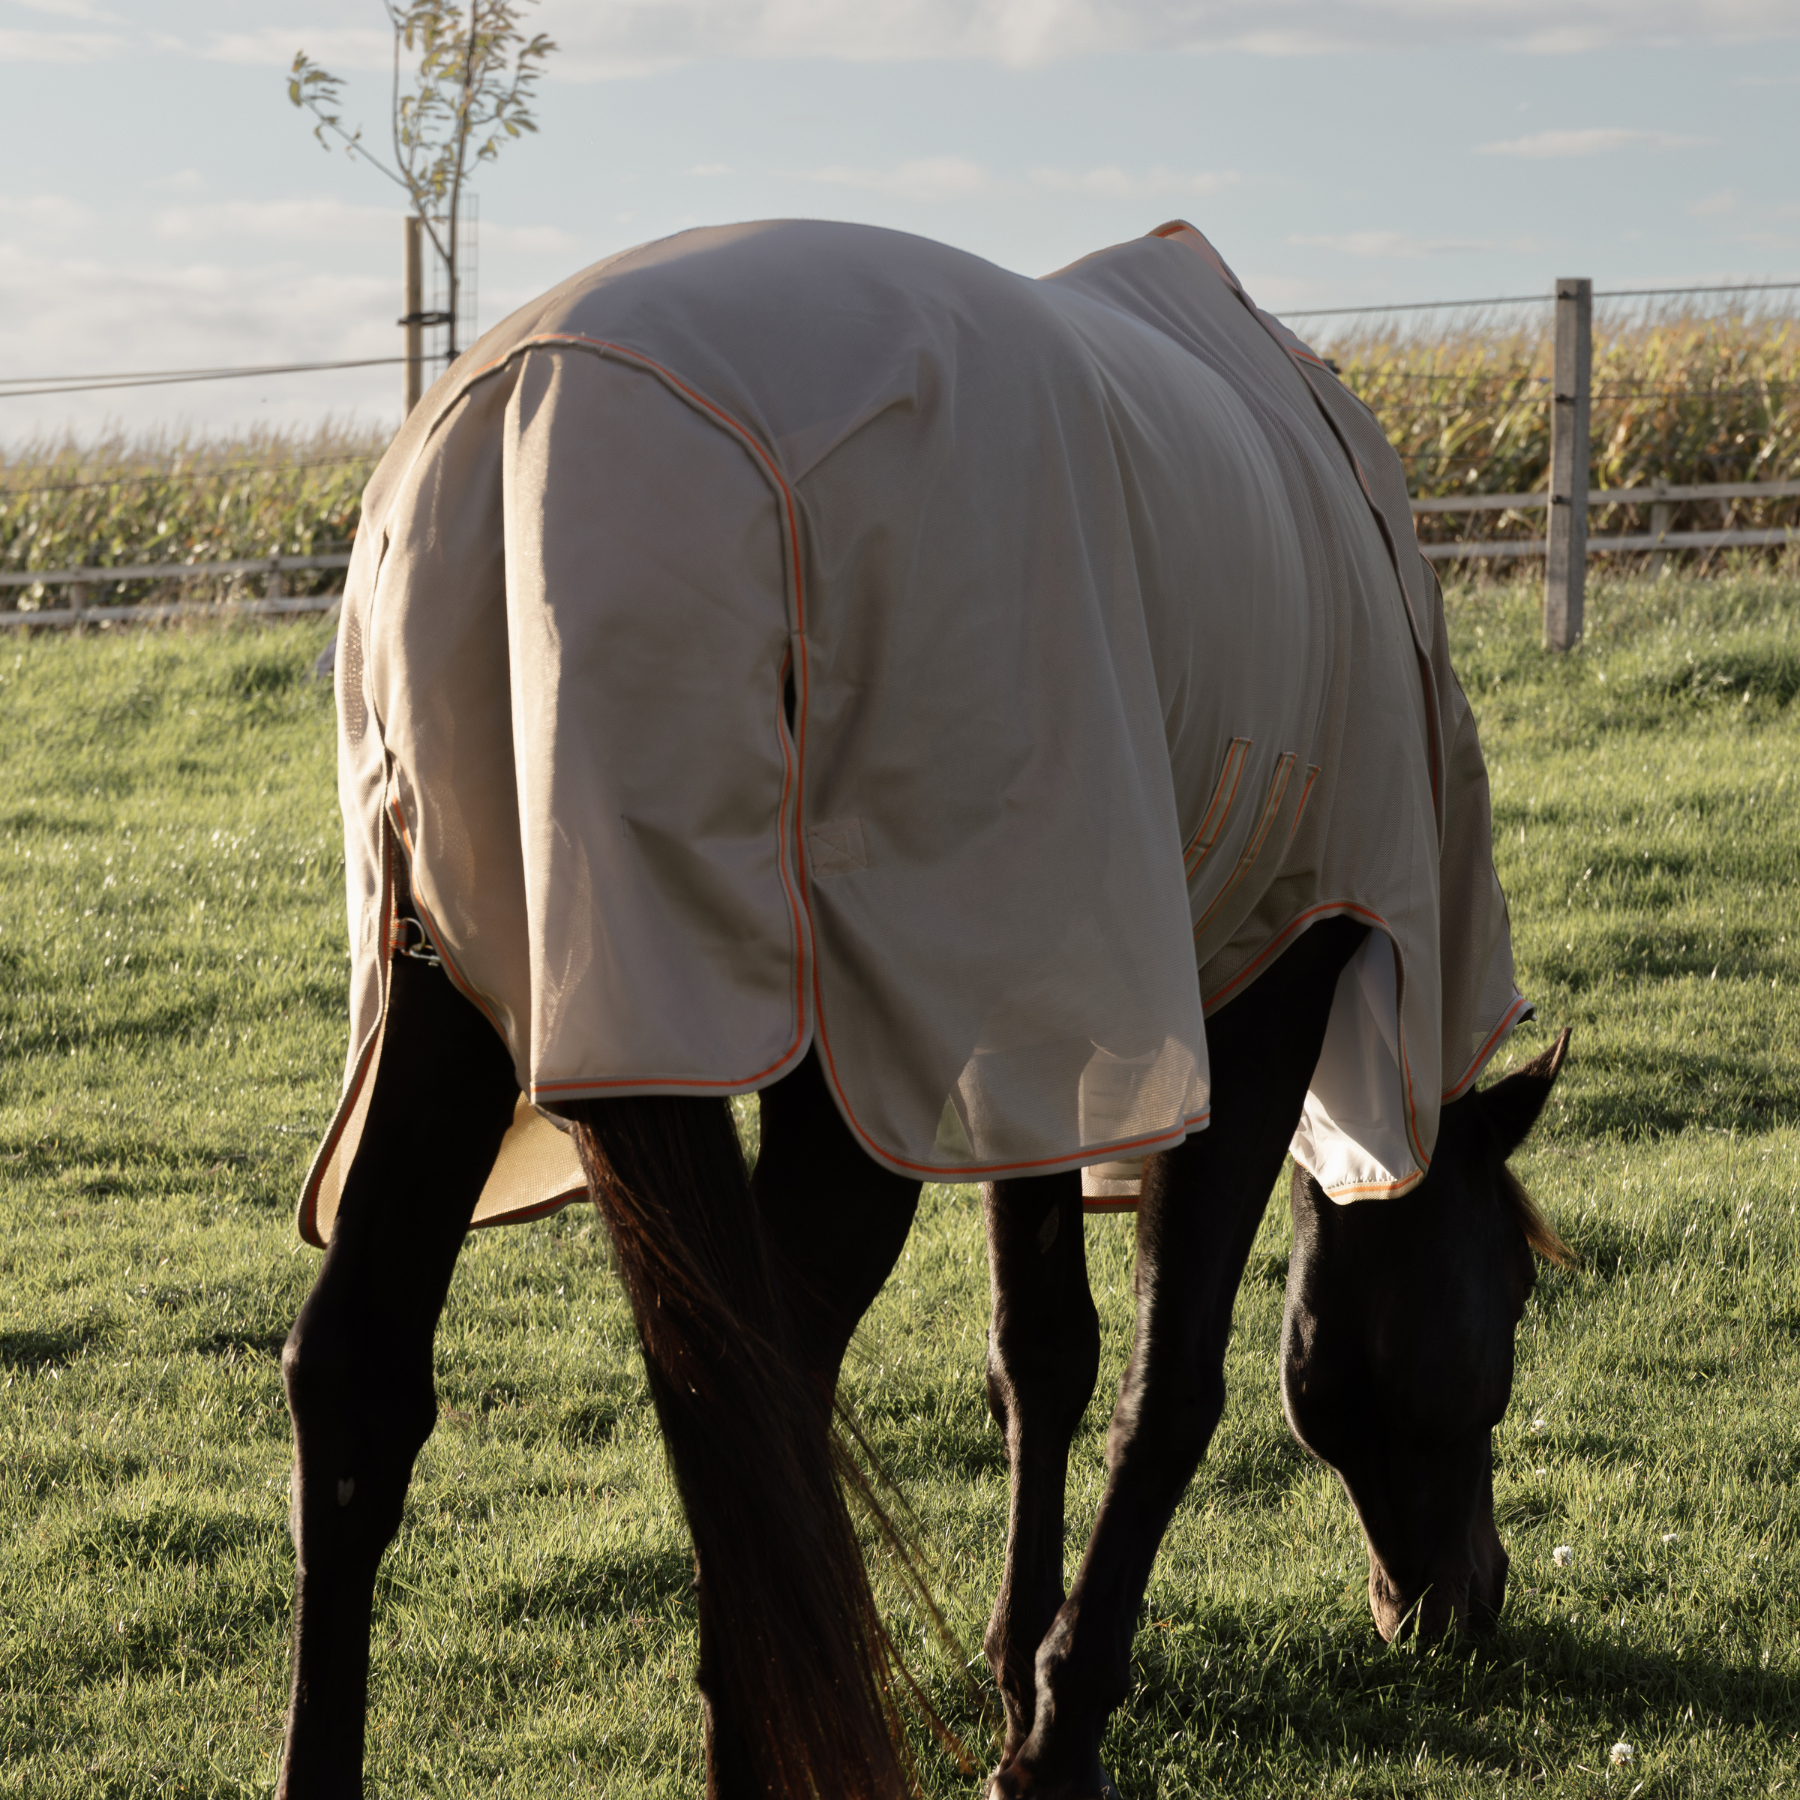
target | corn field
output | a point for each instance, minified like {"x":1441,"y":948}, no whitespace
{"x":167,"y":500}
{"x":1678,"y":397}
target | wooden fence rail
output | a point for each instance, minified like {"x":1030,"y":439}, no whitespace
{"x":79,"y":580}
{"x":1660,"y":497}
{"x":1657,"y":493}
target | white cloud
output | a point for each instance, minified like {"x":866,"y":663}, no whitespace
{"x":61,"y":46}
{"x":1713,"y":206}
{"x":530,"y":240}
{"x":63,"y":314}
{"x":1594,"y":140}
{"x":181,"y":181}
{"x":633,"y":37}
{"x":273,"y":46}
{"x":1114,"y":183}
{"x":1394,"y":243}
{"x":710,"y":169}
{"x":72,"y":9}
{"x":935,"y":178}
{"x":924,"y":178}
{"x":323,"y":222}
{"x":45,"y":216}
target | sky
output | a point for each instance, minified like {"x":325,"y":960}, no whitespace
{"x":162,"y":206}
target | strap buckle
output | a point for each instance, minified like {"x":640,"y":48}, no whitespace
{"x":403,"y":942}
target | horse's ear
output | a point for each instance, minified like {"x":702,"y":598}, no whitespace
{"x":1513,"y":1103}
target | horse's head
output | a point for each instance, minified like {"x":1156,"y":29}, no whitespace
{"x":1397,"y":1353}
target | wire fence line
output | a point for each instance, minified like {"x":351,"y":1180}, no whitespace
{"x":1412,"y":306}
{"x":25,"y":386}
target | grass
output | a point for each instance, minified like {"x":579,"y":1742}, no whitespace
{"x":171,"y":1015}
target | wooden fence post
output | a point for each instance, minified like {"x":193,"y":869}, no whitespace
{"x":1565,"y":570}
{"x":78,"y":606}
{"x":415,"y":332}
{"x":1661,"y":512}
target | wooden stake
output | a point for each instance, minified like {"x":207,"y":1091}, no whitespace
{"x":1565,"y":571}
{"x":415,"y":333}
{"x":1661,"y":512}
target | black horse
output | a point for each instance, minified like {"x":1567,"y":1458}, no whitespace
{"x":802,"y":635}
{"x":747,"y":1286}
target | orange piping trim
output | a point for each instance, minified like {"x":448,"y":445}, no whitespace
{"x":1284,"y":767}
{"x":1384,"y":1189}
{"x":1278,"y":943}
{"x":525,"y":1214}
{"x":1200,"y":845}
{"x":1312,"y":775}
{"x":309,"y":1195}
{"x":663,"y":1084}
{"x":1508,"y":1019}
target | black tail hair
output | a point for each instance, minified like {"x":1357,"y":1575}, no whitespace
{"x":810,"y":1673}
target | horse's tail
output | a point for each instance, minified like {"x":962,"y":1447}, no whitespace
{"x":806,"y":1666}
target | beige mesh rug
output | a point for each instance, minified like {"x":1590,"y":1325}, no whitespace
{"x":799,"y":635}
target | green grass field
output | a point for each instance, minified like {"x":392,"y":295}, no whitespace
{"x":172,"y":1007}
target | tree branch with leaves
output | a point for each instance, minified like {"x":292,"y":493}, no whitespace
{"x":462,"y":88}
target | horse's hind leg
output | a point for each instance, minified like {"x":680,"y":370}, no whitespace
{"x":745,"y":1300}
{"x":358,"y":1360}
{"x":837,"y":1219}
{"x":1043,"y":1359}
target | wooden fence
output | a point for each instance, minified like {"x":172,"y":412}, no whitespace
{"x":1563,"y":590}
{"x":79,"y":581}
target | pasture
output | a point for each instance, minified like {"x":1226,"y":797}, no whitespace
{"x":172,"y":1007}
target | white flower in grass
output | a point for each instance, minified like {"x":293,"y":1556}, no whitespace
{"x":1539,"y":1426}
{"x":1562,"y":1555}
{"x":1670,"y":1536}
{"x":1622,"y":1754}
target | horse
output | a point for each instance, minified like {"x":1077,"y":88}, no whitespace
{"x":804,"y":660}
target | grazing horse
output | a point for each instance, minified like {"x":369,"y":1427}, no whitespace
{"x":807,"y":660}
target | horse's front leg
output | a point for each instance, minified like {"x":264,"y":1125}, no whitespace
{"x":1197,"y":1217}
{"x":1043,"y":1359}
{"x":358,"y":1361}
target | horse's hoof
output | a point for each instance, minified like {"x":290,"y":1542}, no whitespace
{"x":1007,"y":1783}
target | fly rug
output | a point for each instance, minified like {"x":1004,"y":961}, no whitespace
{"x":805,"y":658}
